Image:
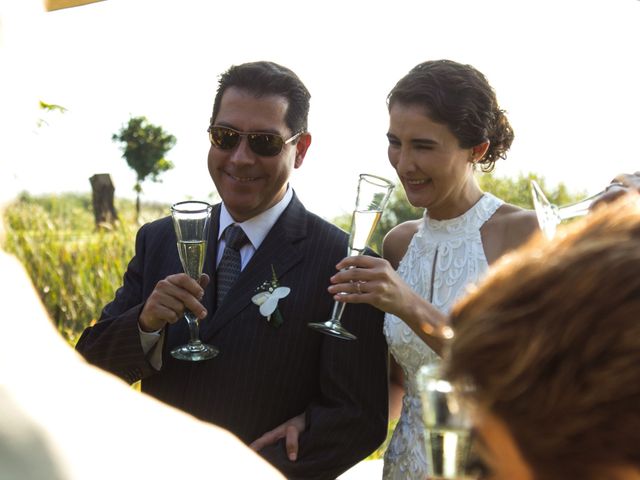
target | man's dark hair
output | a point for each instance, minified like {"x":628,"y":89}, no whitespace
{"x":268,"y":78}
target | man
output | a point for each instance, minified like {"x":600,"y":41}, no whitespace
{"x":270,"y":368}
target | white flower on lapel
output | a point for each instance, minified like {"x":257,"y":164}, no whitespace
{"x":268,"y":301}
{"x":267,"y":298}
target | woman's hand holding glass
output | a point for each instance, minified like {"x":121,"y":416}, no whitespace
{"x":550,"y":215}
{"x":373,"y":195}
{"x":372,"y":280}
{"x":620,"y":185}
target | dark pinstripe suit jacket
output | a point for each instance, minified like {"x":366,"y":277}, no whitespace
{"x":263,"y":376}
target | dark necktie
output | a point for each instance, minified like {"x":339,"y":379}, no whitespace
{"x":229,"y":266}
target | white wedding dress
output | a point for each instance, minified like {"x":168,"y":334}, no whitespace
{"x":442,"y":259}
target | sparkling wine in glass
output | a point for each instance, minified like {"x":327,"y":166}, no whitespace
{"x":550,"y":215}
{"x":447,"y":422}
{"x":373,"y":195}
{"x":191,"y":223}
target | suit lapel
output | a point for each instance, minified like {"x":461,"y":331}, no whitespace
{"x":279,"y":249}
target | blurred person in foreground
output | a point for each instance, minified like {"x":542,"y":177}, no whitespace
{"x":549,"y":347}
{"x":63,"y":419}
{"x":266,"y":371}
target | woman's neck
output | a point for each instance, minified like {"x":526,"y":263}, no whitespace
{"x":462,"y":200}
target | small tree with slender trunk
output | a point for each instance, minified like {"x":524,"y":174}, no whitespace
{"x":144,"y":147}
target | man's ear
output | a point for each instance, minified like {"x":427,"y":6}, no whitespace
{"x":301,"y":148}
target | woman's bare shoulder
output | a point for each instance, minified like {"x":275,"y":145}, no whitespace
{"x":510,"y":227}
{"x":397,"y":240}
{"x":518,"y":220}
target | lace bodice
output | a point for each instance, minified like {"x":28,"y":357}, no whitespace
{"x":442,"y":259}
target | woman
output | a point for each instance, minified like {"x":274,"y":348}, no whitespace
{"x":445,"y":123}
{"x":550,"y":343}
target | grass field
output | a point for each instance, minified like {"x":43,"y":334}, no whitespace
{"x":74,"y":267}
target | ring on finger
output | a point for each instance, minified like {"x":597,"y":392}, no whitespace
{"x":358,"y":283}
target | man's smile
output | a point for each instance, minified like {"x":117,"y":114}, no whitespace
{"x":241,"y":179}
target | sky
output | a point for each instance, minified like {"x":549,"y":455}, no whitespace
{"x":566,"y":71}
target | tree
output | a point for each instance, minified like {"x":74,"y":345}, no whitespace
{"x":144,"y":147}
{"x":515,"y":191}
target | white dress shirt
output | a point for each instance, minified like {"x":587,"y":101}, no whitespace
{"x":256,"y":228}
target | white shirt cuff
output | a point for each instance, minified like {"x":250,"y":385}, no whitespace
{"x":149,"y":340}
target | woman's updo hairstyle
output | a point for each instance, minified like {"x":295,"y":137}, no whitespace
{"x":460,"y":97}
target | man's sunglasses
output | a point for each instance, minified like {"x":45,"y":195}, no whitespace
{"x":264,"y":144}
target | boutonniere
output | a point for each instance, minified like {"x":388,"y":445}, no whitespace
{"x":269,"y":293}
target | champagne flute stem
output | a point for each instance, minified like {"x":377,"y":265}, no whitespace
{"x":338,"y":308}
{"x":194,"y":332}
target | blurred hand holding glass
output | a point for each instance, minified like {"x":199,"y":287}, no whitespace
{"x":550,"y":215}
{"x":373,"y":195}
{"x":191,"y":224}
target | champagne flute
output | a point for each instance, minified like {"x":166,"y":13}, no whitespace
{"x":447,"y":422}
{"x":550,"y":215}
{"x":373,"y":195}
{"x":191,"y":223}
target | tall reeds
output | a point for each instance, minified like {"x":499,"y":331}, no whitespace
{"x":74,"y":267}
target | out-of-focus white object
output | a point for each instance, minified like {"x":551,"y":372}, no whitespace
{"x":64,"y":419}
